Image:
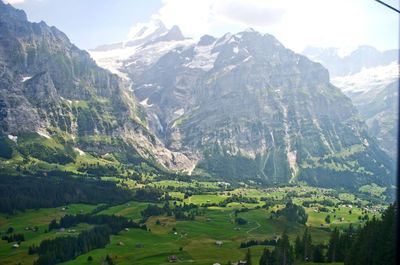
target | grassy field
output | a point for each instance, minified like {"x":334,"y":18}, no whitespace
{"x":193,"y":241}
{"x":31,"y":219}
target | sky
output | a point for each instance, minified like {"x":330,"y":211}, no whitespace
{"x":343,"y":24}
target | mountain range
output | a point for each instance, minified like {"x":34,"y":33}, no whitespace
{"x":371,"y":79}
{"x":242,"y":104}
{"x":237,"y":107}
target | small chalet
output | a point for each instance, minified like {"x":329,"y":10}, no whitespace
{"x":173,"y":258}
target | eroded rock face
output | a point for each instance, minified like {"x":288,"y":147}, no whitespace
{"x":370,"y":78}
{"x":48,"y":84}
{"x":250,"y":108}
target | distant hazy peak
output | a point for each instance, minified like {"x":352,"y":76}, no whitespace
{"x":174,"y":34}
{"x":349,"y":63}
{"x":144,"y":34}
{"x":151,"y":29}
{"x":206,"y":40}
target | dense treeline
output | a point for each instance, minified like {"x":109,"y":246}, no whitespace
{"x":180,"y":212}
{"x":375,"y":243}
{"x":13,"y":238}
{"x":266,"y":242}
{"x":148,"y":194}
{"x":230,"y":199}
{"x":237,"y":198}
{"x":21,"y":193}
{"x":293,"y":213}
{"x":116,"y":223}
{"x":62,"y":249}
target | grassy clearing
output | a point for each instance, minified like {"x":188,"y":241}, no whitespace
{"x":131,"y":210}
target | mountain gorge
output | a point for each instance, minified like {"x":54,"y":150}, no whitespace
{"x":244,"y":106}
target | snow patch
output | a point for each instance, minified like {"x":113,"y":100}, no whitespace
{"x":224,"y":39}
{"x":13,"y":138}
{"x":248,"y":58}
{"x":368,"y":79}
{"x":67,"y":100}
{"x":204,"y":58}
{"x":80,"y":152}
{"x":116,"y":59}
{"x":43,"y":133}
{"x":235,"y":50}
{"x":26,"y":78}
{"x":179,"y":112}
{"x":145,"y":103}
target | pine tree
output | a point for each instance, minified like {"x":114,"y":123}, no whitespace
{"x":283,"y":252}
{"x":307,"y":245}
{"x":333,"y":246}
{"x":266,"y":257}
{"x":298,"y":248}
{"x":328,"y":219}
{"x":109,"y":260}
{"x":248,"y":257}
{"x":318,"y":255}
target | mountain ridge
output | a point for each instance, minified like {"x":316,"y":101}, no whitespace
{"x":50,"y":86}
{"x":186,"y":88}
{"x":237,"y":107}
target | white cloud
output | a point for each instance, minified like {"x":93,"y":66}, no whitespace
{"x":193,"y":17}
{"x":329,"y":23}
{"x":254,"y":13}
{"x":14,"y":1}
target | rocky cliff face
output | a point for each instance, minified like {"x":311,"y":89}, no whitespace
{"x":49,"y":86}
{"x":370,"y":78}
{"x":247,"y":107}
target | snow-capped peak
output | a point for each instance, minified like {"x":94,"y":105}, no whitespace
{"x":145,"y":30}
{"x":153,"y":31}
{"x":147,"y":42}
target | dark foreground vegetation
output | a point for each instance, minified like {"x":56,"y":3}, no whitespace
{"x":373,"y":244}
